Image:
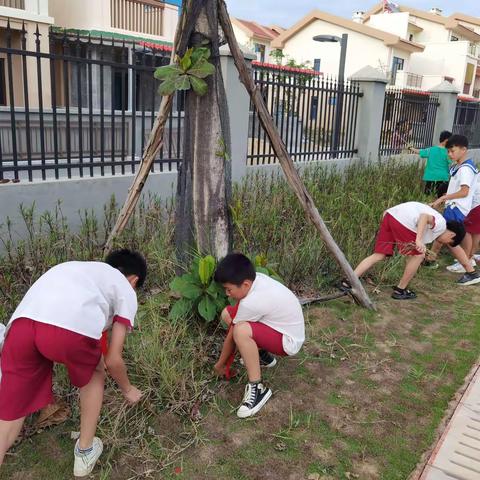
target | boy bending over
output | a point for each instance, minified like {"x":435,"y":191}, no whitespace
{"x":61,"y":320}
{"x":267,"y":316}
{"x":409,"y":227}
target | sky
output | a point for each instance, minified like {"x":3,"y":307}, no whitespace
{"x":287,"y":12}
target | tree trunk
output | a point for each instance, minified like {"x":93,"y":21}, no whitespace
{"x":185,"y":26}
{"x":286,"y":162}
{"x":204,"y":183}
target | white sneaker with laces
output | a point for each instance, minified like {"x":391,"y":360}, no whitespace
{"x":85,"y":462}
{"x":256,"y":396}
{"x":458,"y":268}
{"x":476,"y":257}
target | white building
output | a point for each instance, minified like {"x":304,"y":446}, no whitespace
{"x":451,"y":47}
{"x":366,"y":45}
{"x":255,"y":37}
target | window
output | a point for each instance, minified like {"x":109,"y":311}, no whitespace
{"x":314,"y":108}
{"x":410,"y":37}
{"x":316,"y":64}
{"x":260,"y":51}
{"x":3,"y":93}
{"x":397,"y":65}
{"x":453,"y":38}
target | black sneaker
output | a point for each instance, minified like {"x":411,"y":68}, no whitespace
{"x":432,"y":264}
{"x":256,"y":396}
{"x":469,"y":278}
{"x":267,"y":360}
{"x":403,"y":294}
{"x":344,"y":285}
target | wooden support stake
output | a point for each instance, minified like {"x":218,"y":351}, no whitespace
{"x":286,"y":162}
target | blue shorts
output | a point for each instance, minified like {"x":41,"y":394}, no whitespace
{"x":453,"y":214}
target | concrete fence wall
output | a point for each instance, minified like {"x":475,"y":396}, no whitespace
{"x":92,"y":194}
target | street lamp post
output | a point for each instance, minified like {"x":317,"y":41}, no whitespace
{"x":337,"y":126}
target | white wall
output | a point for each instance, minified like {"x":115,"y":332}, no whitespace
{"x":432,"y":32}
{"x":439,"y":60}
{"x":395,"y":23}
{"x":362,"y":50}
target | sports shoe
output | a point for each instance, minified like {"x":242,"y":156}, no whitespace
{"x":432,"y":264}
{"x":256,"y":396}
{"x":403,"y":294}
{"x":458,"y":268}
{"x":469,"y":278}
{"x":84,"y":462}
{"x":267,"y":360}
{"x":476,"y":257}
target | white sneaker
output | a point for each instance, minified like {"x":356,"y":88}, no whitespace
{"x":476,"y":257}
{"x":256,"y":396}
{"x":458,"y":268}
{"x":84,"y":463}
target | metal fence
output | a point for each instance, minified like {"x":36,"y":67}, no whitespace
{"x":74,"y":106}
{"x":467,"y":121}
{"x":315,"y":116}
{"x":408,"y":121}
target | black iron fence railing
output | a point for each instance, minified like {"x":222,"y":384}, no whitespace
{"x":408,"y":121}
{"x":315,"y":116}
{"x":80,"y":107}
{"x":467,"y":121}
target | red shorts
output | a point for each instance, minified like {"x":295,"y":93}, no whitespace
{"x":472,"y":221}
{"x":265,"y":337}
{"x":28,"y":355}
{"x":392,"y":233}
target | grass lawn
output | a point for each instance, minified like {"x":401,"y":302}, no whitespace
{"x":362,"y":400}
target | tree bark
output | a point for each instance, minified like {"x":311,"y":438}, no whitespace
{"x":185,"y":26}
{"x":203,"y":191}
{"x":286,"y":162}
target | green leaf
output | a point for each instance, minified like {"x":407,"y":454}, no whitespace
{"x":181,"y":308}
{"x":202,"y":69}
{"x":199,"y":53}
{"x":199,"y":86}
{"x":167,"y":72}
{"x":262,"y":270}
{"x":186,"y":60}
{"x":261,"y":261}
{"x":207,"y":308}
{"x":167,"y":87}
{"x":215,"y":290}
{"x":186,"y":288}
{"x":206,"y":267}
{"x":182,"y":83}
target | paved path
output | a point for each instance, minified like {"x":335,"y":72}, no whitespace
{"x":457,"y":454}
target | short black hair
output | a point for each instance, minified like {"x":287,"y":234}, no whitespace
{"x":235,"y":268}
{"x":457,"y":141}
{"x":128,"y":262}
{"x":445,"y":135}
{"x":458,"y":229}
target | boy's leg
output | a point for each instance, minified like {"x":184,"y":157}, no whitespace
{"x":412,"y":264}
{"x":367,"y":263}
{"x":91,"y":400}
{"x":243,"y":337}
{"x":475,"y":244}
{"x":9,"y":431}
{"x":466,"y":244}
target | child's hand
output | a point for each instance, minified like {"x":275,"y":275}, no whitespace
{"x":133,"y":395}
{"x":420,"y":246}
{"x":437,"y":202}
{"x":220,"y":369}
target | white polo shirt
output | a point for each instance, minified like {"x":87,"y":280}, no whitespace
{"x":82,"y":297}
{"x":464,"y":174}
{"x":273,"y":304}
{"x":408,"y":214}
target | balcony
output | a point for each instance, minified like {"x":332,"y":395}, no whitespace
{"x":408,"y":80}
{"x":20,"y":4}
{"x":141,"y":16}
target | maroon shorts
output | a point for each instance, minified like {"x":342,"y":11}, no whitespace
{"x":265,"y":337}
{"x":392,"y":233}
{"x":472,"y":221}
{"x":29,"y":352}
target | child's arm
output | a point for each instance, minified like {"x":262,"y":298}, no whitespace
{"x":227,"y":349}
{"x":462,"y":193}
{"x":423,"y":221}
{"x":116,"y":365}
